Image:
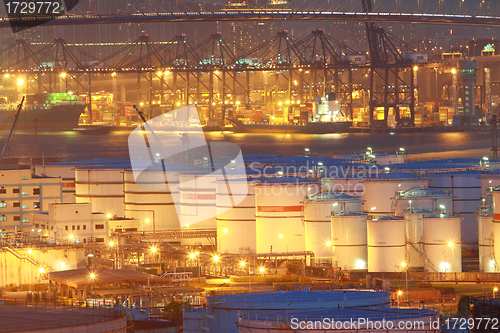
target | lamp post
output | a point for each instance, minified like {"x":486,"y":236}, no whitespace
{"x":216,"y":260}
{"x":242,"y":264}
{"x":92,"y":278}
{"x":450,"y":244}
{"x":403,"y":264}
{"x":147,"y":220}
{"x":399,"y":294}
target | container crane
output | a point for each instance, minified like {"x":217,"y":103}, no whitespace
{"x":387,"y":63}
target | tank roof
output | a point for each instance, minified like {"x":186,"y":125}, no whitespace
{"x":456,"y":173}
{"x":419,"y":211}
{"x":350,"y":214}
{"x":422,"y":192}
{"x":386,"y":218}
{"x":286,"y":180}
{"x":332,"y":196}
{"x":394,"y":175}
{"x":301,"y":299}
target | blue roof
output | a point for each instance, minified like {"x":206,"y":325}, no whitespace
{"x":423,"y":192}
{"x":386,"y":218}
{"x":281,"y":180}
{"x":420,"y":211}
{"x":394,"y":175}
{"x":293,"y":299}
{"x":350,"y":214}
{"x":332,"y":196}
{"x":456,"y":173}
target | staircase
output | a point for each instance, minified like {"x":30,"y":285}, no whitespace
{"x":423,"y":255}
{"x":21,"y":256}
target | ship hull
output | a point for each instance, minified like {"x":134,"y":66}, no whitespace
{"x":59,"y":117}
{"x":307,"y":128}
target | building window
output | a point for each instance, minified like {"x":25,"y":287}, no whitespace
{"x":25,"y":207}
{"x":17,"y":218}
{"x":66,"y":228}
{"x":84,"y":227}
{"x":15,"y":190}
{"x":16,"y":204}
{"x":36,"y":191}
{"x":26,"y":220}
{"x":99,"y":240}
{"x":3,"y":218}
{"x":3,"y":191}
{"x":84,"y":241}
{"x":25,"y":178}
{"x":36,"y":205}
{"x":77,"y":227}
{"x":3,"y":204}
{"x":72,"y":227}
{"x":99,"y":226}
{"x":24,"y":193}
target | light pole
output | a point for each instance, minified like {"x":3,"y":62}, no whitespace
{"x":242,"y":264}
{"x":92,"y":278}
{"x":216,"y":260}
{"x":403,"y":264}
{"x":450,"y":244}
{"x":399,"y":294}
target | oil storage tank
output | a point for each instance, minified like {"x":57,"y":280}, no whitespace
{"x":349,"y":240}
{"x":421,"y":198}
{"x":151,"y":200}
{"x":223,"y":309}
{"x":485,"y":228}
{"x":442,"y":243}
{"x":236,"y":229}
{"x":386,"y":244}
{"x":278,"y":213}
{"x":317,"y":220}
{"x":496,"y":226}
{"x":103,"y":188}
{"x":465,"y":188}
{"x":381,"y":189}
{"x":414,"y":219}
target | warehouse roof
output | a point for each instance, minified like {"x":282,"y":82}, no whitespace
{"x":77,"y":278}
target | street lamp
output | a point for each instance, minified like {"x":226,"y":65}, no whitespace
{"x":403,"y":264}
{"x":216,"y":260}
{"x":399,"y":294}
{"x":30,"y":251}
{"x":41,"y":270}
{"x":450,"y":244}
{"x":92,"y":278}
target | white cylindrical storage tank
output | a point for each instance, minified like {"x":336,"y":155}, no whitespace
{"x":442,"y":243}
{"x":496,"y":227}
{"x":415,"y":236}
{"x":421,"y":198}
{"x":197,"y":200}
{"x":236,"y":225}
{"x":485,"y":228}
{"x":278,"y":213}
{"x":103,"y":188}
{"x":381,"y":190}
{"x":489,"y":179}
{"x":151,"y":199}
{"x":317,"y":220}
{"x":349,"y":240}
{"x":351,"y":185}
{"x":386,"y":244}
{"x":388,"y":159}
{"x":465,"y":188}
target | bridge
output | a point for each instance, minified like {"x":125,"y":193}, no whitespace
{"x":250,"y":15}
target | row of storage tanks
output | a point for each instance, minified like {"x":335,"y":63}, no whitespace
{"x":252,"y":215}
{"x":293,"y":215}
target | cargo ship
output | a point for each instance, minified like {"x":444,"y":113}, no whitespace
{"x":320,"y":116}
{"x":47,"y":111}
{"x":305,"y":128}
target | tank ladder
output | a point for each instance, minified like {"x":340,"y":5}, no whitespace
{"x":423,"y":255}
